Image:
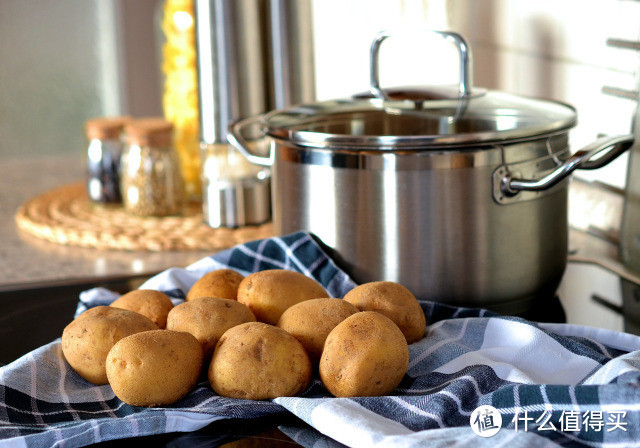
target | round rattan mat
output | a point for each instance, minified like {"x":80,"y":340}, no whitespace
{"x":65,"y":215}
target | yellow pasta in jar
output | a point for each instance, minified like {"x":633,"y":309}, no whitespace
{"x":180,"y":95}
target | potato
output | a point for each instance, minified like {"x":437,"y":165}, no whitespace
{"x":207,"y":318}
{"x":366,"y":355}
{"x":311,"y":321}
{"x":154,"y":368}
{"x":86,"y":341}
{"x":269,"y":293}
{"x":394,"y":301}
{"x":148,"y":302}
{"x":257,"y":361}
{"x":221,"y":283}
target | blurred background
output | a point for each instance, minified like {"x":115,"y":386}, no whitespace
{"x":65,"y":61}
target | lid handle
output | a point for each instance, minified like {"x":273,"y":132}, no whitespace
{"x":466,"y":78}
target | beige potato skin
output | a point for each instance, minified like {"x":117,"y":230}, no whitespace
{"x":148,"y":302}
{"x":207,"y":318}
{"x":154,"y":368}
{"x":257,"y":361}
{"x":221,"y":283}
{"x":269,"y":293}
{"x":86,"y":341}
{"x":394,"y":301}
{"x":366,"y":355}
{"x":311,"y":321}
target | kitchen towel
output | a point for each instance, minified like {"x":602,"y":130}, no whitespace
{"x":547,"y":384}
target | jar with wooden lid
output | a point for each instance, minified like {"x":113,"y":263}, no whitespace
{"x":104,"y":150}
{"x":152,"y":183}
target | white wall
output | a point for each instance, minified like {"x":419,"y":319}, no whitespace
{"x":65,"y":61}
{"x":51,"y":75}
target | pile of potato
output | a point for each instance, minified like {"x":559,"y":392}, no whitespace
{"x":261,"y":336}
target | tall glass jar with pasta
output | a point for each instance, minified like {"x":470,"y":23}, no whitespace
{"x":180,"y":88}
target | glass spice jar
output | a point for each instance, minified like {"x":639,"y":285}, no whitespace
{"x":104,"y":149}
{"x":151,"y":178}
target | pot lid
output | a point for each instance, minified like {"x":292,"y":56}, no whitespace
{"x":420,"y":117}
{"x":480,"y":117}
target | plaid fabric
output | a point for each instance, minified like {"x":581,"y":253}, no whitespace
{"x":552,"y":384}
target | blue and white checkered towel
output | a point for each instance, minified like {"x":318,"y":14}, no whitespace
{"x":552,"y":384}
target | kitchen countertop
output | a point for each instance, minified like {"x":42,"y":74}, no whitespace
{"x":27,"y":261}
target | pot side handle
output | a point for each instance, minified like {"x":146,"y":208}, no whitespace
{"x":234,"y":136}
{"x":593,"y":156}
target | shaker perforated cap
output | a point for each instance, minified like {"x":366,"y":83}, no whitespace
{"x":105,"y":128}
{"x":152,"y":131}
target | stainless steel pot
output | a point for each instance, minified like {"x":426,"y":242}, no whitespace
{"x":461,"y":196}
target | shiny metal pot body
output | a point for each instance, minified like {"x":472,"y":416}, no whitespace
{"x":434,"y":221}
{"x":460,"y":195}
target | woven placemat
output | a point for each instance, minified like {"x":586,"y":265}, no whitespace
{"x":65,"y":215}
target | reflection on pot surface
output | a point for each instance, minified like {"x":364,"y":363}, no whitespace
{"x":458,"y":194}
